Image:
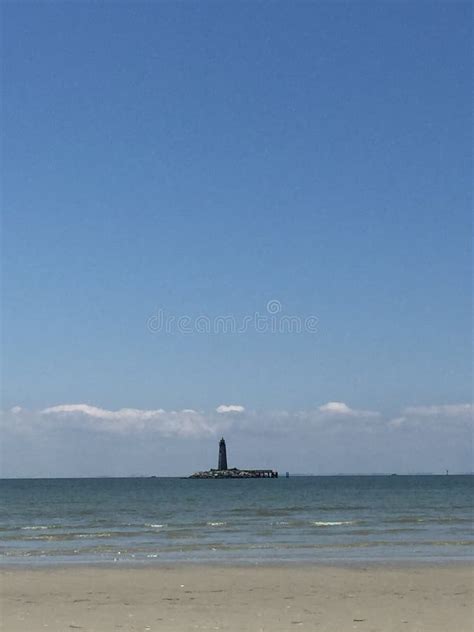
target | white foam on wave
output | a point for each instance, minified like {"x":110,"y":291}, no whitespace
{"x":216,"y":524}
{"x":155,"y":526}
{"x":323,"y":523}
{"x":104,"y":534}
{"x":35,"y":527}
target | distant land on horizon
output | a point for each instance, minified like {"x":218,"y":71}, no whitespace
{"x":296,"y":475}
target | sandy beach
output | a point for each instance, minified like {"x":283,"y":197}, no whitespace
{"x":238,"y":599}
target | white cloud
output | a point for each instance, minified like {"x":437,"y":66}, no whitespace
{"x":101,"y":413}
{"x":342,"y":409}
{"x":338,"y":408}
{"x":447,"y":410}
{"x":184,"y":423}
{"x":442,"y":416}
{"x":230,"y":408}
{"x":331,"y":418}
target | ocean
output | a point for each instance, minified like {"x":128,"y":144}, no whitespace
{"x":167,"y":520}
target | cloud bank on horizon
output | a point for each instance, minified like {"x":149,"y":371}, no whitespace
{"x":190,"y":423}
{"x":83,"y":439}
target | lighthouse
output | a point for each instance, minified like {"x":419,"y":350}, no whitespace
{"x":222,"y":463}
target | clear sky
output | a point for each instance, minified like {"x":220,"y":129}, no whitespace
{"x":213,"y":160}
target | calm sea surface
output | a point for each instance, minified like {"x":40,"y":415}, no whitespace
{"x":297,"y":519}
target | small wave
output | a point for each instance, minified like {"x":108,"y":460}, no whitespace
{"x":64,"y":537}
{"x":429,"y":520}
{"x":44,"y":537}
{"x":216,"y":524}
{"x":328,"y":523}
{"x":405,"y":520}
{"x":35,"y":527}
{"x":268,"y":511}
{"x":155,"y":526}
{"x":94,"y":535}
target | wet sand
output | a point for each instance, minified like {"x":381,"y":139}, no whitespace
{"x":238,"y":599}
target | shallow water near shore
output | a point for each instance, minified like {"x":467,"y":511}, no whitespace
{"x":146,"y":520}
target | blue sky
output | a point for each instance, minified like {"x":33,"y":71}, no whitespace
{"x":205,"y":159}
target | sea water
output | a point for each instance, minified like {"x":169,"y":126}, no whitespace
{"x":146,"y":520}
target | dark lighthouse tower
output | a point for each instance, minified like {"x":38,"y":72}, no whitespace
{"x":222,"y":464}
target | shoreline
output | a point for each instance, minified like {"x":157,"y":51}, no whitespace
{"x":386,"y":563}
